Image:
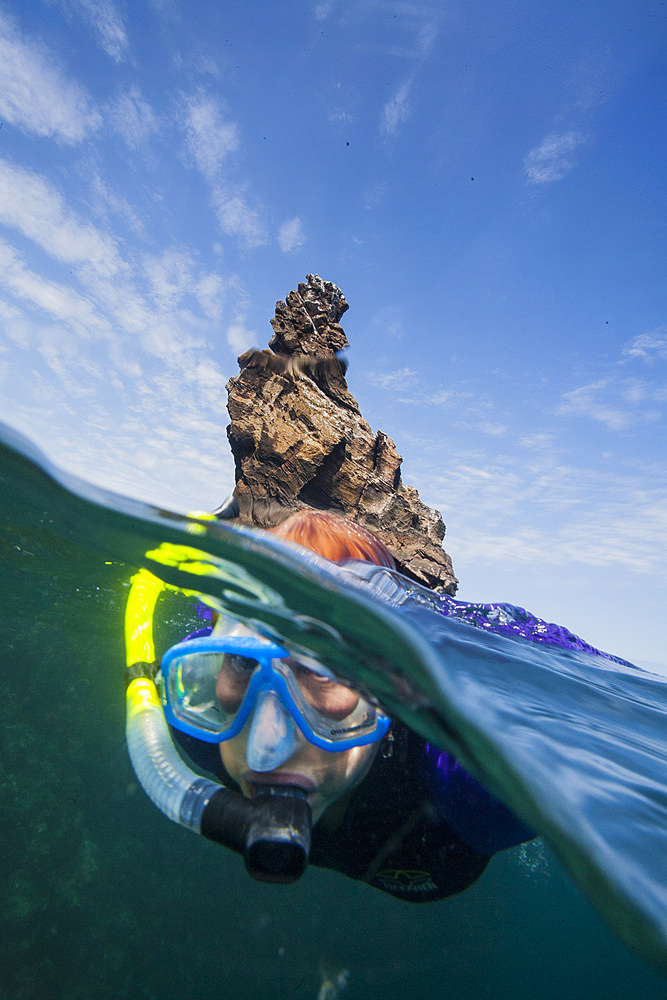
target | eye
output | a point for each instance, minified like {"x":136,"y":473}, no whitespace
{"x":239,"y":664}
{"x":307,"y":676}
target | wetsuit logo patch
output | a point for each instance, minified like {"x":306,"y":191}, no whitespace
{"x":407,"y":880}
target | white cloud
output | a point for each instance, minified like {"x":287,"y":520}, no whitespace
{"x":207,"y":377}
{"x":553,"y":158}
{"x":239,"y":337}
{"x":133,"y":118}
{"x":592,"y":401}
{"x":170,"y":277}
{"x":446,"y":398}
{"x":7,"y":310}
{"x":426,"y":36}
{"x":237,"y":218}
{"x":396,"y":111}
{"x":35,"y":208}
{"x":146,"y":302}
{"x":400,"y":378}
{"x":106,"y":22}
{"x":210,"y":294}
{"x":291,"y":236}
{"x":167,"y":341}
{"x":105,"y":201}
{"x":210,"y":138}
{"x":339,"y":116}
{"x":58,"y":301}
{"x":540,"y":441}
{"x":546,"y":513}
{"x":493,"y":428}
{"x":649,"y":347}
{"x":79,"y":374}
{"x":618,"y":403}
{"x":34,"y":93}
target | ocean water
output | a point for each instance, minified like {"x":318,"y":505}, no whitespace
{"x":104,"y":897}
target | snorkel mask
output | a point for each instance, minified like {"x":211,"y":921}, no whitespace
{"x":213,"y":685}
{"x":209,"y":688}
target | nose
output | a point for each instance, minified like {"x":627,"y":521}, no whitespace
{"x":274,"y":736}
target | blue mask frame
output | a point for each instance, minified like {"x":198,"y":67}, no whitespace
{"x":265,"y":678}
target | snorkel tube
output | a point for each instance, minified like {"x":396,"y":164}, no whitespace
{"x":271,"y":832}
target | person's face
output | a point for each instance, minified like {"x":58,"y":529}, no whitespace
{"x":325,"y":775}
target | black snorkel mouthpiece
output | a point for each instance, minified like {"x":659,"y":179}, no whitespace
{"x":271,"y":831}
{"x":278,"y":841}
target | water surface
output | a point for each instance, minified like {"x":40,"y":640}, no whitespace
{"x":103,"y":897}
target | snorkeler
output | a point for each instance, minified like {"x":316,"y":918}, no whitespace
{"x":387,"y":807}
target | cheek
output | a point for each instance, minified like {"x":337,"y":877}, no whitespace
{"x":342,"y":771}
{"x":232,"y":753}
{"x":229,"y":691}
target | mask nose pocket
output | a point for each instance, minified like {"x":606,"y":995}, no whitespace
{"x":274,"y":736}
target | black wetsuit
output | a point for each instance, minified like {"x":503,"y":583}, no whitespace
{"x":392,"y":835}
{"x":418,"y":826}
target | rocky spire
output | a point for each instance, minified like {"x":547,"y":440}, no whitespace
{"x":299,"y":439}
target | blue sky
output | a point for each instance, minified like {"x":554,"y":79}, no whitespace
{"x":486,"y":184}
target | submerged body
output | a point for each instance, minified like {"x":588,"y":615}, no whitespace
{"x":388,"y":808}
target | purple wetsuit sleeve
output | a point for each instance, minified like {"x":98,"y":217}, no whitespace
{"x":477,"y":816}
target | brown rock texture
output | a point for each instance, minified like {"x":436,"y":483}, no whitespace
{"x":299,"y":439}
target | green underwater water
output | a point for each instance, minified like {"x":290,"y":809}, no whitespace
{"x":104,"y":897}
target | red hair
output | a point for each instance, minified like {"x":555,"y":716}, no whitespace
{"x":334,"y":537}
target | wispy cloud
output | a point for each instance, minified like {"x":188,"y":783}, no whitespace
{"x":554,"y":157}
{"x":396,"y":111}
{"x":35,"y":95}
{"x":169,"y":276}
{"x":398,"y":379}
{"x":291,"y":235}
{"x":592,"y":401}
{"x":617,"y":402}
{"x":210,"y":139}
{"x":210,"y":290}
{"x":107,"y":24}
{"x":649,"y":347}
{"x":239,"y":337}
{"x":210,"y":136}
{"x":40,"y":214}
{"x":144,"y":300}
{"x":544,"y":512}
{"x":418,"y":26}
{"x":133,"y":117}
{"x":375,"y":195}
{"x":237,"y":218}
{"x":445,"y":398}
{"x":58,"y":301}
{"x":426,"y":36}
{"x":493,"y":428}
{"x":340,"y":116}
{"x":151,"y":375}
{"x":148,"y":451}
{"x":106,"y":202}
{"x":322,"y":10}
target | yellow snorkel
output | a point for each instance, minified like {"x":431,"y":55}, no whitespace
{"x":272,"y":831}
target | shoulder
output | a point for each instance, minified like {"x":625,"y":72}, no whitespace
{"x":392,"y":837}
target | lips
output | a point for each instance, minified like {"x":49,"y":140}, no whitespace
{"x":255,"y":779}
